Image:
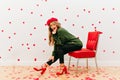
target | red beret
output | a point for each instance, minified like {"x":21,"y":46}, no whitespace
{"x":51,"y":20}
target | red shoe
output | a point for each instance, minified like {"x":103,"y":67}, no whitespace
{"x":64,"y":70}
{"x":36,"y":69}
{"x":42,"y":70}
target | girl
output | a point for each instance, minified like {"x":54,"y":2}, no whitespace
{"x":63,"y":42}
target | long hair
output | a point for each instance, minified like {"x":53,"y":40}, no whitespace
{"x":51,"y":40}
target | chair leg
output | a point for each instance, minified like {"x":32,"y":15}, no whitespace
{"x":96,"y":64}
{"x":69,"y":63}
{"x":87,"y":63}
{"x":77,"y":65}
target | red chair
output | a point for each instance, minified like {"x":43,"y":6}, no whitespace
{"x":90,"y":50}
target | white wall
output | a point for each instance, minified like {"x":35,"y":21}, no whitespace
{"x":24,"y":36}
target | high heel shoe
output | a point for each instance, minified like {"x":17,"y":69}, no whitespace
{"x":42,"y":70}
{"x":36,"y":69}
{"x":64,"y":70}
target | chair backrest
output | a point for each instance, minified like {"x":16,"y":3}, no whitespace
{"x":92,"y":40}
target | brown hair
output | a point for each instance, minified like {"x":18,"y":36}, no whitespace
{"x":51,"y":40}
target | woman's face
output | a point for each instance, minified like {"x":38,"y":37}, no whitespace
{"x":53,"y":26}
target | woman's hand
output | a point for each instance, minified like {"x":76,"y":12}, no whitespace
{"x":54,"y":31}
{"x":51,"y":58}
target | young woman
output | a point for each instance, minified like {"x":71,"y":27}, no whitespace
{"x":63,"y":42}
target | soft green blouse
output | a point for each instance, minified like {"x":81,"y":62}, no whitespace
{"x":63,"y":37}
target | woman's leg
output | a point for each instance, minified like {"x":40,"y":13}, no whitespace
{"x":62,"y":51}
{"x":71,"y":47}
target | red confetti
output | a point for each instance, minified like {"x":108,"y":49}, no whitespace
{"x":110,"y":37}
{"x":23,"y":22}
{"x":9,"y":9}
{"x":2,"y":30}
{"x":9,"y":49}
{"x":113,"y":8}
{"x":28,"y":48}
{"x":113,"y":52}
{"x":73,"y":24}
{"x":34,"y":44}
{"x":30,"y":34}
{"x":43,"y":50}
{"x":78,"y":15}
{"x":37,"y":4}
{"x":104,"y":50}
{"x":65,"y":19}
{"x":92,"y":24}
{"x":35,"y":59}
{"x":44,"y":39}
{"x":41,"y":14}
{"x":103,"y":9}
{"x":35,"y":28}
{"x":27,"y":44}
{"x":10,"y":22}
{"x":82,"y":26}
{"x":22,"y":44}
{"x":88,"y":11}
{"x":99,"y":22}
{"x":84,"y":9}
{"x":67,"y":8}
{"x":31,"y":12}
{"x":113,"y":22}
{"x":52,"y":11}
{"x":88,"y":78}
{"x":21,"y":9}
{"x":14,"y":33}
{"x":9,"y":37}
{"x":36,"y":78}
{"x":18,"y":59}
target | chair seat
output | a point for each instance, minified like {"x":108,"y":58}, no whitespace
{"x":83,"y":53}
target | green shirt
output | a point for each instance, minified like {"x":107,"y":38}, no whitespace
{"x":63,"y":37}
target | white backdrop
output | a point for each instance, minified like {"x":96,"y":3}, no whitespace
{"x":24,"y":35}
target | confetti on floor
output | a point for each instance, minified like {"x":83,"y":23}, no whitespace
{"x":27,"y":73}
